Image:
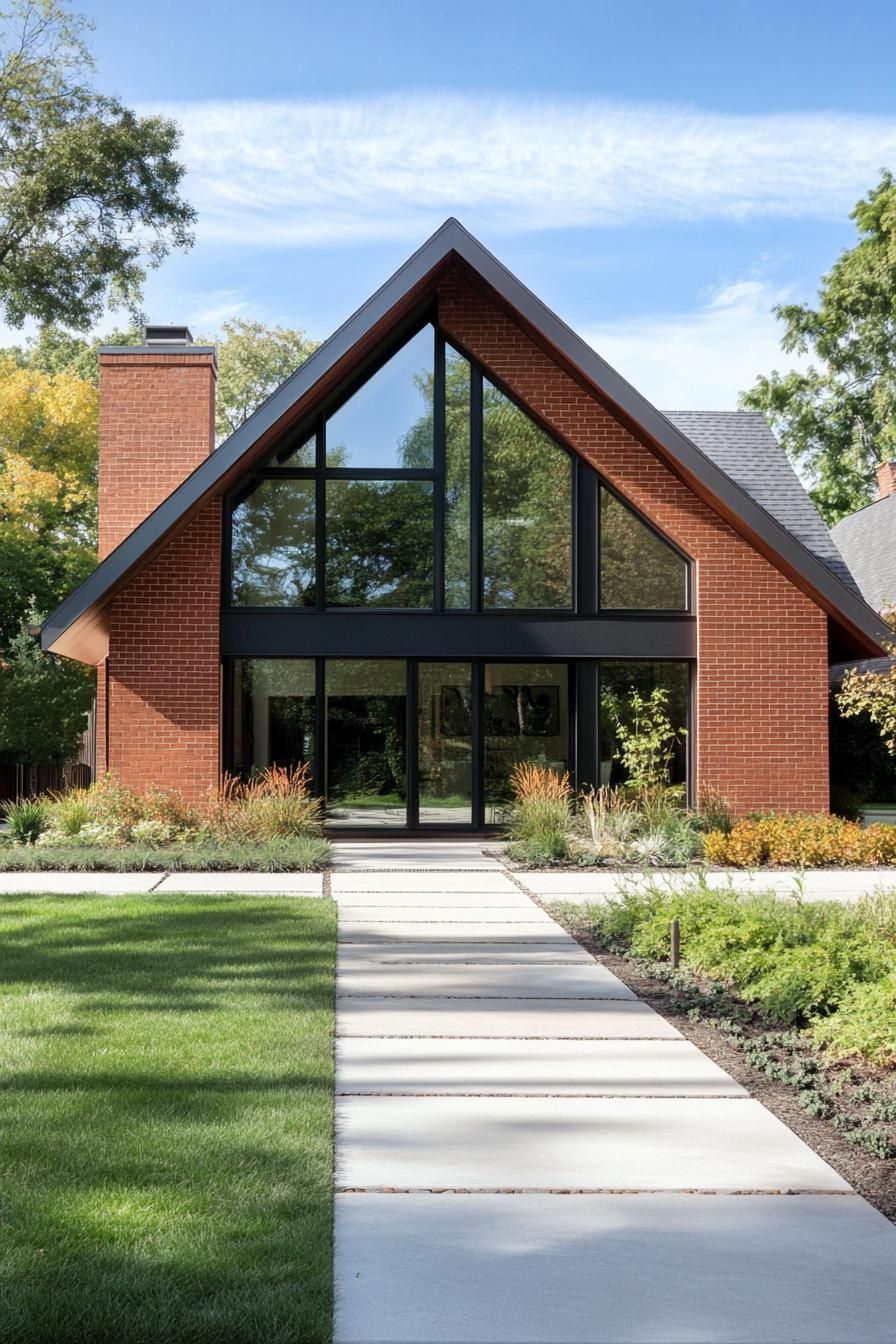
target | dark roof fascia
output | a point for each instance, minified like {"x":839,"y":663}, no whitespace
{"x":453,"y":239}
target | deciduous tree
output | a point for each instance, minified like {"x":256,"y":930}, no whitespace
{"x":837,"y":420}
{"x":89,"y":191}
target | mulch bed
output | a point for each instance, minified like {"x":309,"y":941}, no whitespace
{"x":691,"y":1005}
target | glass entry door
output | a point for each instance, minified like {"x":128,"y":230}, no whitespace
{"x":445,"y":744}
{"x":366,"y":741}
{"x":395,"y":742}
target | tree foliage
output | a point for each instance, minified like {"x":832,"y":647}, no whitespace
{"x":55,"y":350}
{"x":837,"y":420}
{"x":253,"y":360}
{"x":89,"y":190}
{"x":44,"y":702}
{"x":872,"y":694}
{"x":48,"y":428}
{"x":47,"y":546}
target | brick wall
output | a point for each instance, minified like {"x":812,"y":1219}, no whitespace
{"x":761,"y":714}
{"x":161,"y":681}
{"x":156,"y":424}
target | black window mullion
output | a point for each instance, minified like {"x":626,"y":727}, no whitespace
{"x":476,"y":488}
{"x":477,"y":682}
{"x":379,"y":473}
{"x":587,"y":756}
{"x":438,"y":568}
{"x":587,"y":553}
{"x":320,"y":730}
{"x":320,"y":531}
{"x":412,"y":774}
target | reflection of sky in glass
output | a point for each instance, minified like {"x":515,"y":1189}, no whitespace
{"x":369,"y":430}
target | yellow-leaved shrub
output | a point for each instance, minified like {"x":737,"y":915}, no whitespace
{"x":794,"y":840}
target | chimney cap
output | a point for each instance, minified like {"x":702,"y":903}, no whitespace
{"x":167,"y":335}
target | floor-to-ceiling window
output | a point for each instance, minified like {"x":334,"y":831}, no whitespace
{"x":424,"y":586}
{"x":525,"y":717}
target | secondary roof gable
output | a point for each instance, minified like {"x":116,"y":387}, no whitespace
{"x":78,"y":626}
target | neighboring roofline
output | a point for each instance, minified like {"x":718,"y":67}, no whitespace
{"x":449,"y":241}
{"x":848,"y":517}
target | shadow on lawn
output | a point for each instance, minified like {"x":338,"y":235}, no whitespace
{"x":177,"y":957}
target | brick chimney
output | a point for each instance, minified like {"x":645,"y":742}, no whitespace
{"x":156,"y":424}
{"x":886,"y":479}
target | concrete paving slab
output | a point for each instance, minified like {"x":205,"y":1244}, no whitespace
{"x":646,"y":1269}
{"x":372,"y":928}
{"x":287,"y":884}
{"x":512,"y":899}
{"x":579,"y":1144}
{"x":451,"y":882}
{"x":462,"y":954}
{"x":76,"y":884}
{"x":447,"y":914}
{"x":815,"y":885}
{"x":502,"y":1018}
{"x":366,"y":855}
{"x":602,"y":1068}
{"x":582,"y":981}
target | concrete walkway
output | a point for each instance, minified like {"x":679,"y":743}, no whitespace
{"x":455,"y":859}
{"x":820,"y":884}
{"x":528,"y":1153}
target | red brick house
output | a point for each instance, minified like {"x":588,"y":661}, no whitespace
{"x":453,"y":539}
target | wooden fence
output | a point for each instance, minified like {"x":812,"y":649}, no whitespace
{"x":24,"y":781}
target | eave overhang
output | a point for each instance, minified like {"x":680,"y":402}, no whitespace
{"x":78,"y":628}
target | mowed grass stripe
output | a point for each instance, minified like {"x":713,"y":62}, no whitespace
{"x":166,"y":1119}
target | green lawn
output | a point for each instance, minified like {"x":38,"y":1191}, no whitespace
{"x":166,"y":1082}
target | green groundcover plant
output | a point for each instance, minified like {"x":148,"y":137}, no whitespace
{"x":827,"y":967}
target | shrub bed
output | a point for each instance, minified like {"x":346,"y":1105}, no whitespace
{"x":307,"y":853}
{"x":790,"y":840}
{"x":827,"y":968}
{"x":270,"y":822}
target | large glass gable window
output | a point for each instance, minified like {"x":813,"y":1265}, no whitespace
{"x":426,"y":487}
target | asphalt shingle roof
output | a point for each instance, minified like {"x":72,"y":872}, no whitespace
{"x":743,"y":445}
{"x":867,"y":541}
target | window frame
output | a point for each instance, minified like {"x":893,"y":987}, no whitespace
{"x":586,"y":483}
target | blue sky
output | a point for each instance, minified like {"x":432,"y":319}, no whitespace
{"x":660,"y":173}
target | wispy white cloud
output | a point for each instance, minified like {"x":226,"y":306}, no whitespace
{"x":702,"y":360}
{"x":316,"y":172}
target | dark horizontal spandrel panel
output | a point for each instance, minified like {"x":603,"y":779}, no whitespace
{"x":383,"y":633}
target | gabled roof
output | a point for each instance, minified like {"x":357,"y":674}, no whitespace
{"x":867,"y":540}
{"x":743,"y":445}
{"x":77,"y":627}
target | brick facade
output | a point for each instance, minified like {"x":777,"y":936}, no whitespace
{"x":156,"y":424}
{"x":158,"y":693}
{"x":761,"y":730}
